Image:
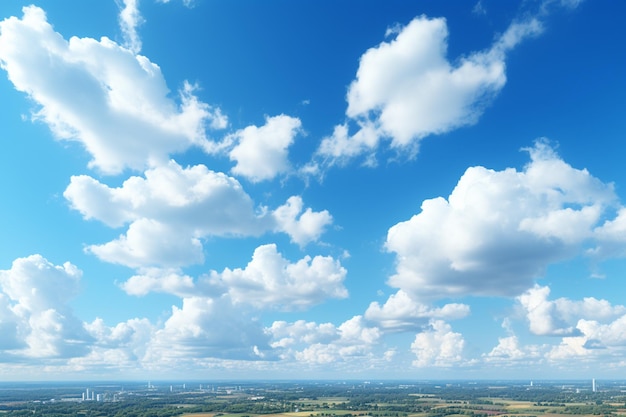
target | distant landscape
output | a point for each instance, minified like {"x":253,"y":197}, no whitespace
{"x":316,"y":399}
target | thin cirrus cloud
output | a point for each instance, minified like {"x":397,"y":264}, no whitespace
{"x":406,"y":89}
{"x":498,"y":230}
{"x":130,"y":19}
{"x":102,"y":95}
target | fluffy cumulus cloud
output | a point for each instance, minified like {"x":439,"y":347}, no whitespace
{"x":168,"y":281}
{"x":406,"y":88}
{"x":560,"y":317}
{"x":171,"y":209}
{"x":34,"y":313}
{"x":611,"y":237}
{"x":261,"y":153}
{"x":438,"y":346}
{"x":269,"y":281}
{"x":498,"y":230}
{"x":510,"y":352}
{"x":302,"y":225}
{"x":590,"y":330}
{"x":402,"y":313}
{"x":289,"y":334}
{"x":314,"y":344}
{"x":115,"y":103}
{"x":123,"y":345}
{"x":205,"y":327}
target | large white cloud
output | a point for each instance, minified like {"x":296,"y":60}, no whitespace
{"x":402,"y":313}
{"x":34,"y":313}
{"x":169,"y":193}
{"x":406,"y":88}
{"x":112,"y":101}
{"x":270,"y":281}
{"x":498,"y":230}
{"x":261,"y":153}
{"x":171,"y":209}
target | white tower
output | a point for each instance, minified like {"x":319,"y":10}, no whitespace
{"x":593,"y":385}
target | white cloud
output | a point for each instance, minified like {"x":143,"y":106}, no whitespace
{"x":261,"y":153}
{"x":312,"y":344}
{"x":541,"y":314}
{"x":570,"y":348}
{"x":600,"y":343}
{"x":172,"y":194}
{"x":171,"y":209}
{"x":439,"y":346}
{"x":290,"y":334}
{"x":169,"y":281}
{"x":130,"y":18}
{"x":560,"y":317}
{"x":508,"y":348}
{"x":34,"y":309}
{"x":188,"y":3}
{"x":612,"y":237}
{"x":115,"y":103}
{"x":149,"y":243}
{"x":8,"y":326}
{"x":598,"y":334}
{"x":269,"y":281}
{"x":302,"y":227}
{"x":498,"y":230}
{"x":406,"y":89}
{"x":402,"y":313}
{"x":122,"y":346}
{"x":340,"y":147}
{"x":205,"y":327}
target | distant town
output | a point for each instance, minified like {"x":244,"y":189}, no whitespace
{"x":316,"y":399}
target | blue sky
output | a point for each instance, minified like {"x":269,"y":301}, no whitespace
{"x":313,"y":189}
